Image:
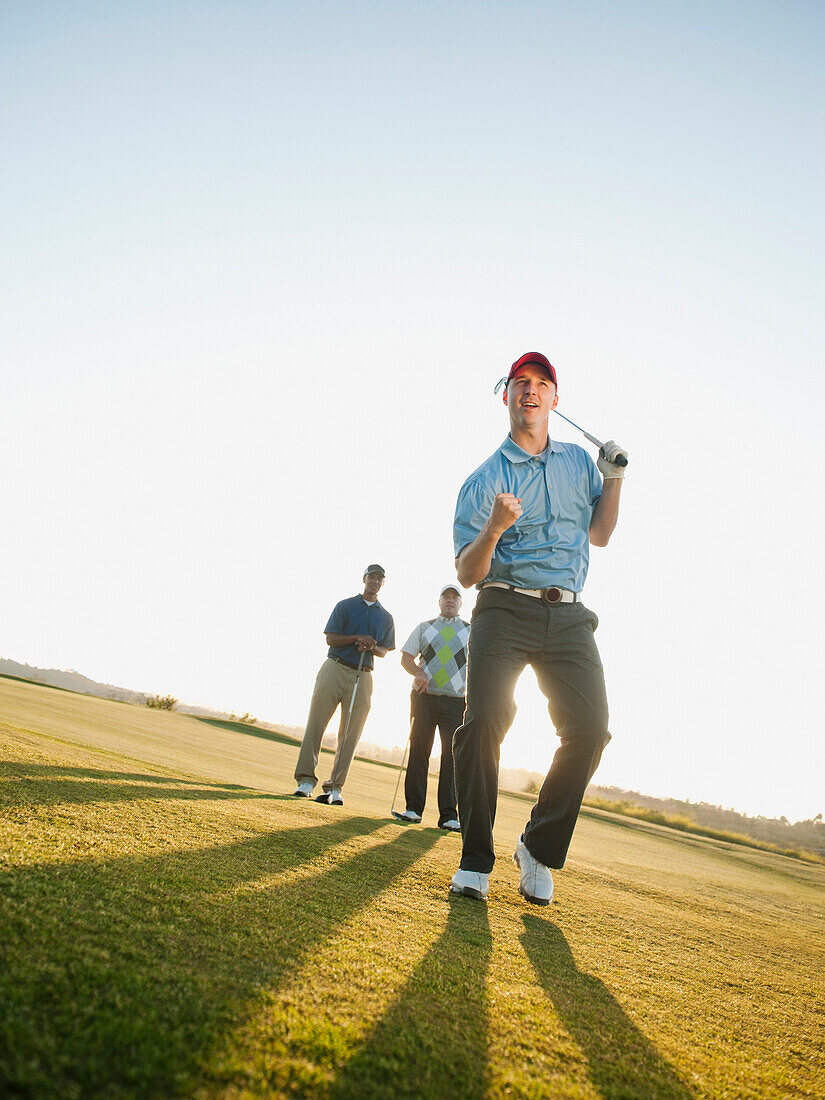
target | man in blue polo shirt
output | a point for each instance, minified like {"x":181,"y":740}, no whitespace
{"x":523,"y":524}
{"x":357,"y":628}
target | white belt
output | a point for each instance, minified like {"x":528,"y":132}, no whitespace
{"x":548,"y":595}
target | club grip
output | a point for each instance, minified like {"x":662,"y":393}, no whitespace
{"x":621,"y":460}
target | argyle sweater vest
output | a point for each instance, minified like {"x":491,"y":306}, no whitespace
{"x":444,"y":655}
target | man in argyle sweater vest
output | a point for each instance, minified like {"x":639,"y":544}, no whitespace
{"x":435,"y":654}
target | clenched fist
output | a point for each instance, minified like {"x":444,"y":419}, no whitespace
{"x":504,"y":513}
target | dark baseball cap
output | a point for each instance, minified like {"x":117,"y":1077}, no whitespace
{"x":375,"y":569}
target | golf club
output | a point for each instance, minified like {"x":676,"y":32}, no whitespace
{"x":621,"y":460}
{"x":400,"y":771}
{"x":352,"y":697}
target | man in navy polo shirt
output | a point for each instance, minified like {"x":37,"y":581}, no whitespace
{"x":357,"y":627}
{"x":523,"y":524}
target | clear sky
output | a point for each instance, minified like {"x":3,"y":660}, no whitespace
{"x":261,"y":267}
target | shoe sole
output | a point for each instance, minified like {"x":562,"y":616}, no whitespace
{"x":299,"y":794}
{"x":444,"y":829}
{"x":531,"y":899}
{"x":468,"y":892}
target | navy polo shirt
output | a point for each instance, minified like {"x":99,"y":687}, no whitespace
{"x":356,"y":616}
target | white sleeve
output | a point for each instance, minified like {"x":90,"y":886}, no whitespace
{"x":413,"y":643}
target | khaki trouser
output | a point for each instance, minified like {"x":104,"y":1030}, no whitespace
{"x":333,"y":687}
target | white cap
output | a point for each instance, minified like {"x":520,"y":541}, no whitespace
{"x":450,"y":588}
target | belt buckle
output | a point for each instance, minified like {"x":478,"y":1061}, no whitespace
{"x":551,"y":596}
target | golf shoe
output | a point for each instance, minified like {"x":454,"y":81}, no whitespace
{"x":536,"y":884}
{"x":409,"y":816}
{"x":331,"y":798}
{"x":472,"y":884}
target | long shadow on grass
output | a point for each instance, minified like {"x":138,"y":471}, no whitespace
{"x":77,"y":785}
{"x":252,"y":731}
{"x":124,"y":978}
{"x":623,"y":1061}
{"x":16,"y":769}
{"x":433,"y":1040}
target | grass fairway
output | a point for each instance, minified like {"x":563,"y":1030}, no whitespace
{"x":173,"y":922}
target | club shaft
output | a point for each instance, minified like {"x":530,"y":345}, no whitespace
{"x":401,"y":769}
{"x":620,"y":461}
{"x":587,"y":435}
{"x":352,"y":698}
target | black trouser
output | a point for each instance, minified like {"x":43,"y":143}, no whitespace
{"x":427,"y":712}
{"x":508,"y":632}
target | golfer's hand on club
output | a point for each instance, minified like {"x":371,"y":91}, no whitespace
{"x":607,"y":460}
{"x":504,"y":513}
{"x":365,"y":642}
{"x":421,"y":682}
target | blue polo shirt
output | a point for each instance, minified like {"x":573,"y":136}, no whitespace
{"x":549,"y":544}
{"x":356,"y":616}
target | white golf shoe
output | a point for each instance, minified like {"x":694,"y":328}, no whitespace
{"x":536,"y":884}
{"x":331,"y":798}
{"x":472,"y":884}
{"x":304,"y":790}
{"x":410,"y":816}
{"x":453,"y":826}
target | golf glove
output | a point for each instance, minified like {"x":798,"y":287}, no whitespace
{"x":607,"y":460}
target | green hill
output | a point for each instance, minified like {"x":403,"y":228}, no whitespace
{"x":174,"y":923}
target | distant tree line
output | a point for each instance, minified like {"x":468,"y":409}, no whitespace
{"x":809,"y":834}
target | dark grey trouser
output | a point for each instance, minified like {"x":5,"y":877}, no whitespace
{"x":428,"y":711}
{"x":510,"y":631}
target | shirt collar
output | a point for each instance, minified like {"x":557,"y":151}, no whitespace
{"x":376,"y":604}
{"x":511,"y":450}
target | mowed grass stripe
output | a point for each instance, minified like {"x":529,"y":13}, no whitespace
{"x":391,"y":1006}
{"x":469,"y":996}
{"x":157,"y":952}
{"x":160,"y":740}
{"x":325,"y":1014}
{"x":369,"y":836}
{"x":234,"y":941}
{"x":722,"y":1001}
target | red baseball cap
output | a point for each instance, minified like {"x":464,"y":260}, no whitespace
{"x":537,"y":358}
